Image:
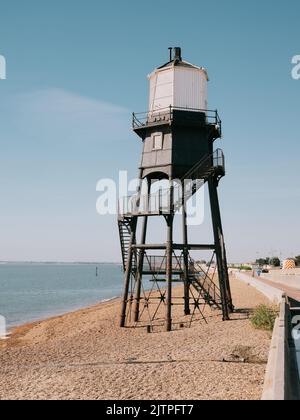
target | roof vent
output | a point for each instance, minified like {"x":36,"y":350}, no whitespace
{"x":177,"y":54}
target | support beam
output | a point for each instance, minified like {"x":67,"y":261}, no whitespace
{"x":150,"y":246}
{"x":140,"y":264}
{"x":218,"y":235}
{"x":194,"y":247}
{"x":176,"y":247}
{"x":223,"y":248}
{"x":169,"y":254}
{"x":187,"y":310}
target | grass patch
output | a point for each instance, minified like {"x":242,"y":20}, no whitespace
{"x":264,"y":317}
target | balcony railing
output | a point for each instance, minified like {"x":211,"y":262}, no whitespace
{"x":143,"y":119}
{"x":160,"y":202}
{"x":156,"y":263}
{"x":152,"y":204}
{"x":219,"y":159}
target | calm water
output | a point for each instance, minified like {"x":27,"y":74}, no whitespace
{"x":36,"y":291}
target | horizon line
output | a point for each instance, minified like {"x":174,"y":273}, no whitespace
{"x":58,"y":262}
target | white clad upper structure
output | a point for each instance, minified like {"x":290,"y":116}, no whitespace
{"x":178,"y":84}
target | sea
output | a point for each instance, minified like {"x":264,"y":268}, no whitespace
{"x":36,"y":291}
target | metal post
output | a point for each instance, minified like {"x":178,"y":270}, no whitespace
{"x":218,"y":235}
{"x":186,"y":279}
{"x":223,"y":252}
{"x":227,"y":281}
{"x":141,"y":263}
{"x":169,"y":251}
{"x":159,"y":201}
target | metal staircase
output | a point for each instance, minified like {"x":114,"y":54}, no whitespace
{"x":196,"y":177}
{"x":125,"y":236}
{"x":207,"y":289}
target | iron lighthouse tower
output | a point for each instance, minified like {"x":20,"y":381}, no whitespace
{"x":178,"y":134}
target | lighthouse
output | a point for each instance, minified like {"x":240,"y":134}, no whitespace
{"x":178,"y":133}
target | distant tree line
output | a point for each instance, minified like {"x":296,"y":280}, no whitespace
{"x":275,"y":261}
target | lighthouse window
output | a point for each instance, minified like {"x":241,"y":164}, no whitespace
{"x":157,"y":141}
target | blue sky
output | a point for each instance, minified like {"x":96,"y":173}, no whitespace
{"x":75,"y":72}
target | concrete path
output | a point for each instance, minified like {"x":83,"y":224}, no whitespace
{"x":290,"y":291}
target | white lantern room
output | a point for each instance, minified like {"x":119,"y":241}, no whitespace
{"x":178,"y":84}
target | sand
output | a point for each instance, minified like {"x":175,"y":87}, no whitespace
{"x":85,"y":355}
